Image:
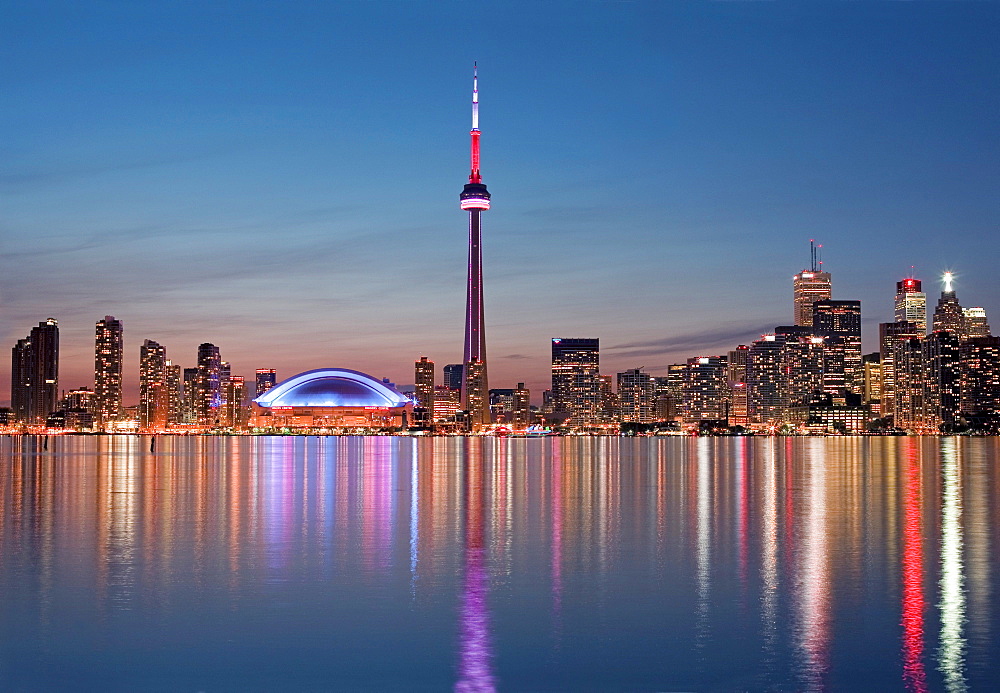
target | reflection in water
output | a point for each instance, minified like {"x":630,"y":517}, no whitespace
{"x":563,"y":564}
{"x":951,"y":653}
{"x":914,"y":675}
{"x":813,"y":575}
{"x":475,"y":672}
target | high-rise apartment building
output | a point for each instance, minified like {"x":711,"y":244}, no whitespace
{"x":576,"y":382}
{"x":909,"y":390}
{"x":266,"y":379}
{"x":766,"y":380}
{"x":705,"y":389}
{"x":423,"y":378}
{"x":872,"y":364}
{"x":980,"y":384}
{"x":948,"y":314}
{"x":108,"y":360}
{"x":736,"y":375}
{"x":839,"y":322}
{"x":635,"y":396}
{"x":175,"y":394}
{"x":154,"y":396}
{"x":189,"y":395}
{"x":911,"y":303}
{"x":208,"y":383}
{"x":35,"y":374}
{"x":234,"y":413}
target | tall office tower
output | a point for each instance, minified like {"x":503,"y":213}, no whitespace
{"x":942,"y":379}
{"x":980,"y":384}
{"x":976,"y":324}
{"x":803,"y":356}
{"x":609,"y":408}
{"x":234,"y":411}
{"x":872,"y":364}
{"x":705,"y":390}
{"x":576,"y":381}
{"x":635,"y":396}
{"x":153,"y":393}
{"x":889,"y":334}
{"x":908,"y":399}
{"x":809,"y":286}
{"x":175,"y":394}
{"x":190,"y":395}
{"x":423,"y":378}
{"x":225,"y":374}
{"x":108,"y":356}
{"x":522,"y":407}
{"x":948,"y":314}
{"x":266,"y":379}
{"x":452,"y":376}
{"x":736,"y":376}
{"x":765,"y":382}
{"x":208,"y":397}
{"x":840,"y":323}
{"x":35,"y":374}
{"x":911,"y":303}
{"x":476,"y":199}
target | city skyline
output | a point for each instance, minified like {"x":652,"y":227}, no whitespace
{"x":248,"y":210}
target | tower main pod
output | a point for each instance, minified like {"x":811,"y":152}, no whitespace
{"x":475,"y":198}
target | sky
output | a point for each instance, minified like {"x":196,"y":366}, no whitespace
{"x":281,"y":179}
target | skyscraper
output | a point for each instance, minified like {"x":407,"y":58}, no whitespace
{"x":980,"y":386}
{"x":911,"y":303}
{"x":424,"y":387}
{"x":839,"y":322}
{"x":35,"y":374}
{"x":809,"y":286}
{"x":452,"y":376}
{"x":208,"y":383}
{"x":890,"y":333}
{"x":948,"y":314}
{"x":266,"y":379}
{"x":522,"y":407}
{"x":175,"y":403}
{"x":705,"y":389}
{"x":635,"y":396}
{"x":576,"y":380}
{"x":976,"y":324}
{"x":108,"y":354}
{"x":942,"y":378}
{"x":475,"y":198}
{"x":154,"y":397}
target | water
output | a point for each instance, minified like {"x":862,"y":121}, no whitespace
{"x":649,"y":564}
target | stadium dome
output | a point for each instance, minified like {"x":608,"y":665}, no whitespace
{"x":332,"y":387}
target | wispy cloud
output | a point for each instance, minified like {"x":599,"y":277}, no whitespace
{"x":728,"y":336}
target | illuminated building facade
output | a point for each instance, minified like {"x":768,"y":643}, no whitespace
{"x":765,"y":380}
{"x":803,"y":362}
{"x":975,"y":323}
{"x":908,"y":395}
{"x":332,"y":398}
{"x":942,"y":378}
{"x":911,"y":303}
{"x":154,"y":397}
{"x":576,"y":381}
{"x":522,"y":408}
{"x":890,"y":333}
{"x":980,"y":385}
{"x":501,"y":404}
{"x":175,"y":394}
{"x":423,"y":378}
{"x":108,"y":359}
{"x":452,"y":376}
{"x":736,"y":375}
{"x":839,"y":322}
{"x":872,"y":399}
{"x":266,"y":378}
{"x":705,"y":389}
{"x":948,"y":314}
{"x":35,"y":374}
{"x":189,"y":395}
{"x":447,"y":404}
{"x":809,"y":286}
{"x":475,"y":199}
{"x":234,"y":410}
{"x":208,"y":385}
{"x":635,"y":396}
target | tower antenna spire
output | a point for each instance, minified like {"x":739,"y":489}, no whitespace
{"x":812,"y":254}
{"x":474,"y":176}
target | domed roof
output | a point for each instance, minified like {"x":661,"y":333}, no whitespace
{"x":332,"y":387}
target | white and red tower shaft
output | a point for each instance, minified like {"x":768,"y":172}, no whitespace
{"x":475,"y":198}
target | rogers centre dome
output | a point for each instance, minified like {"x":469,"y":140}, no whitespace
{"x":331,"y":398}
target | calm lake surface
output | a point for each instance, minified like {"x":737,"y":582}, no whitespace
{"x":572,"y":564}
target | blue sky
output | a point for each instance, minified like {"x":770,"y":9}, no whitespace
{"x":282,"y":179}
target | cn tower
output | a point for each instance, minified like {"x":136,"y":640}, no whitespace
{"x":475,"y":198}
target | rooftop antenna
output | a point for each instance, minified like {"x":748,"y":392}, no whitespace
{"x":812,"y":254}
{"x":819,"y":255}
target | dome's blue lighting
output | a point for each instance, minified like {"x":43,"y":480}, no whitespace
{"x":332,"y":387}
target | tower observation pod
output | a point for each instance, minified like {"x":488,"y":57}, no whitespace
{"x":475,"y":198}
